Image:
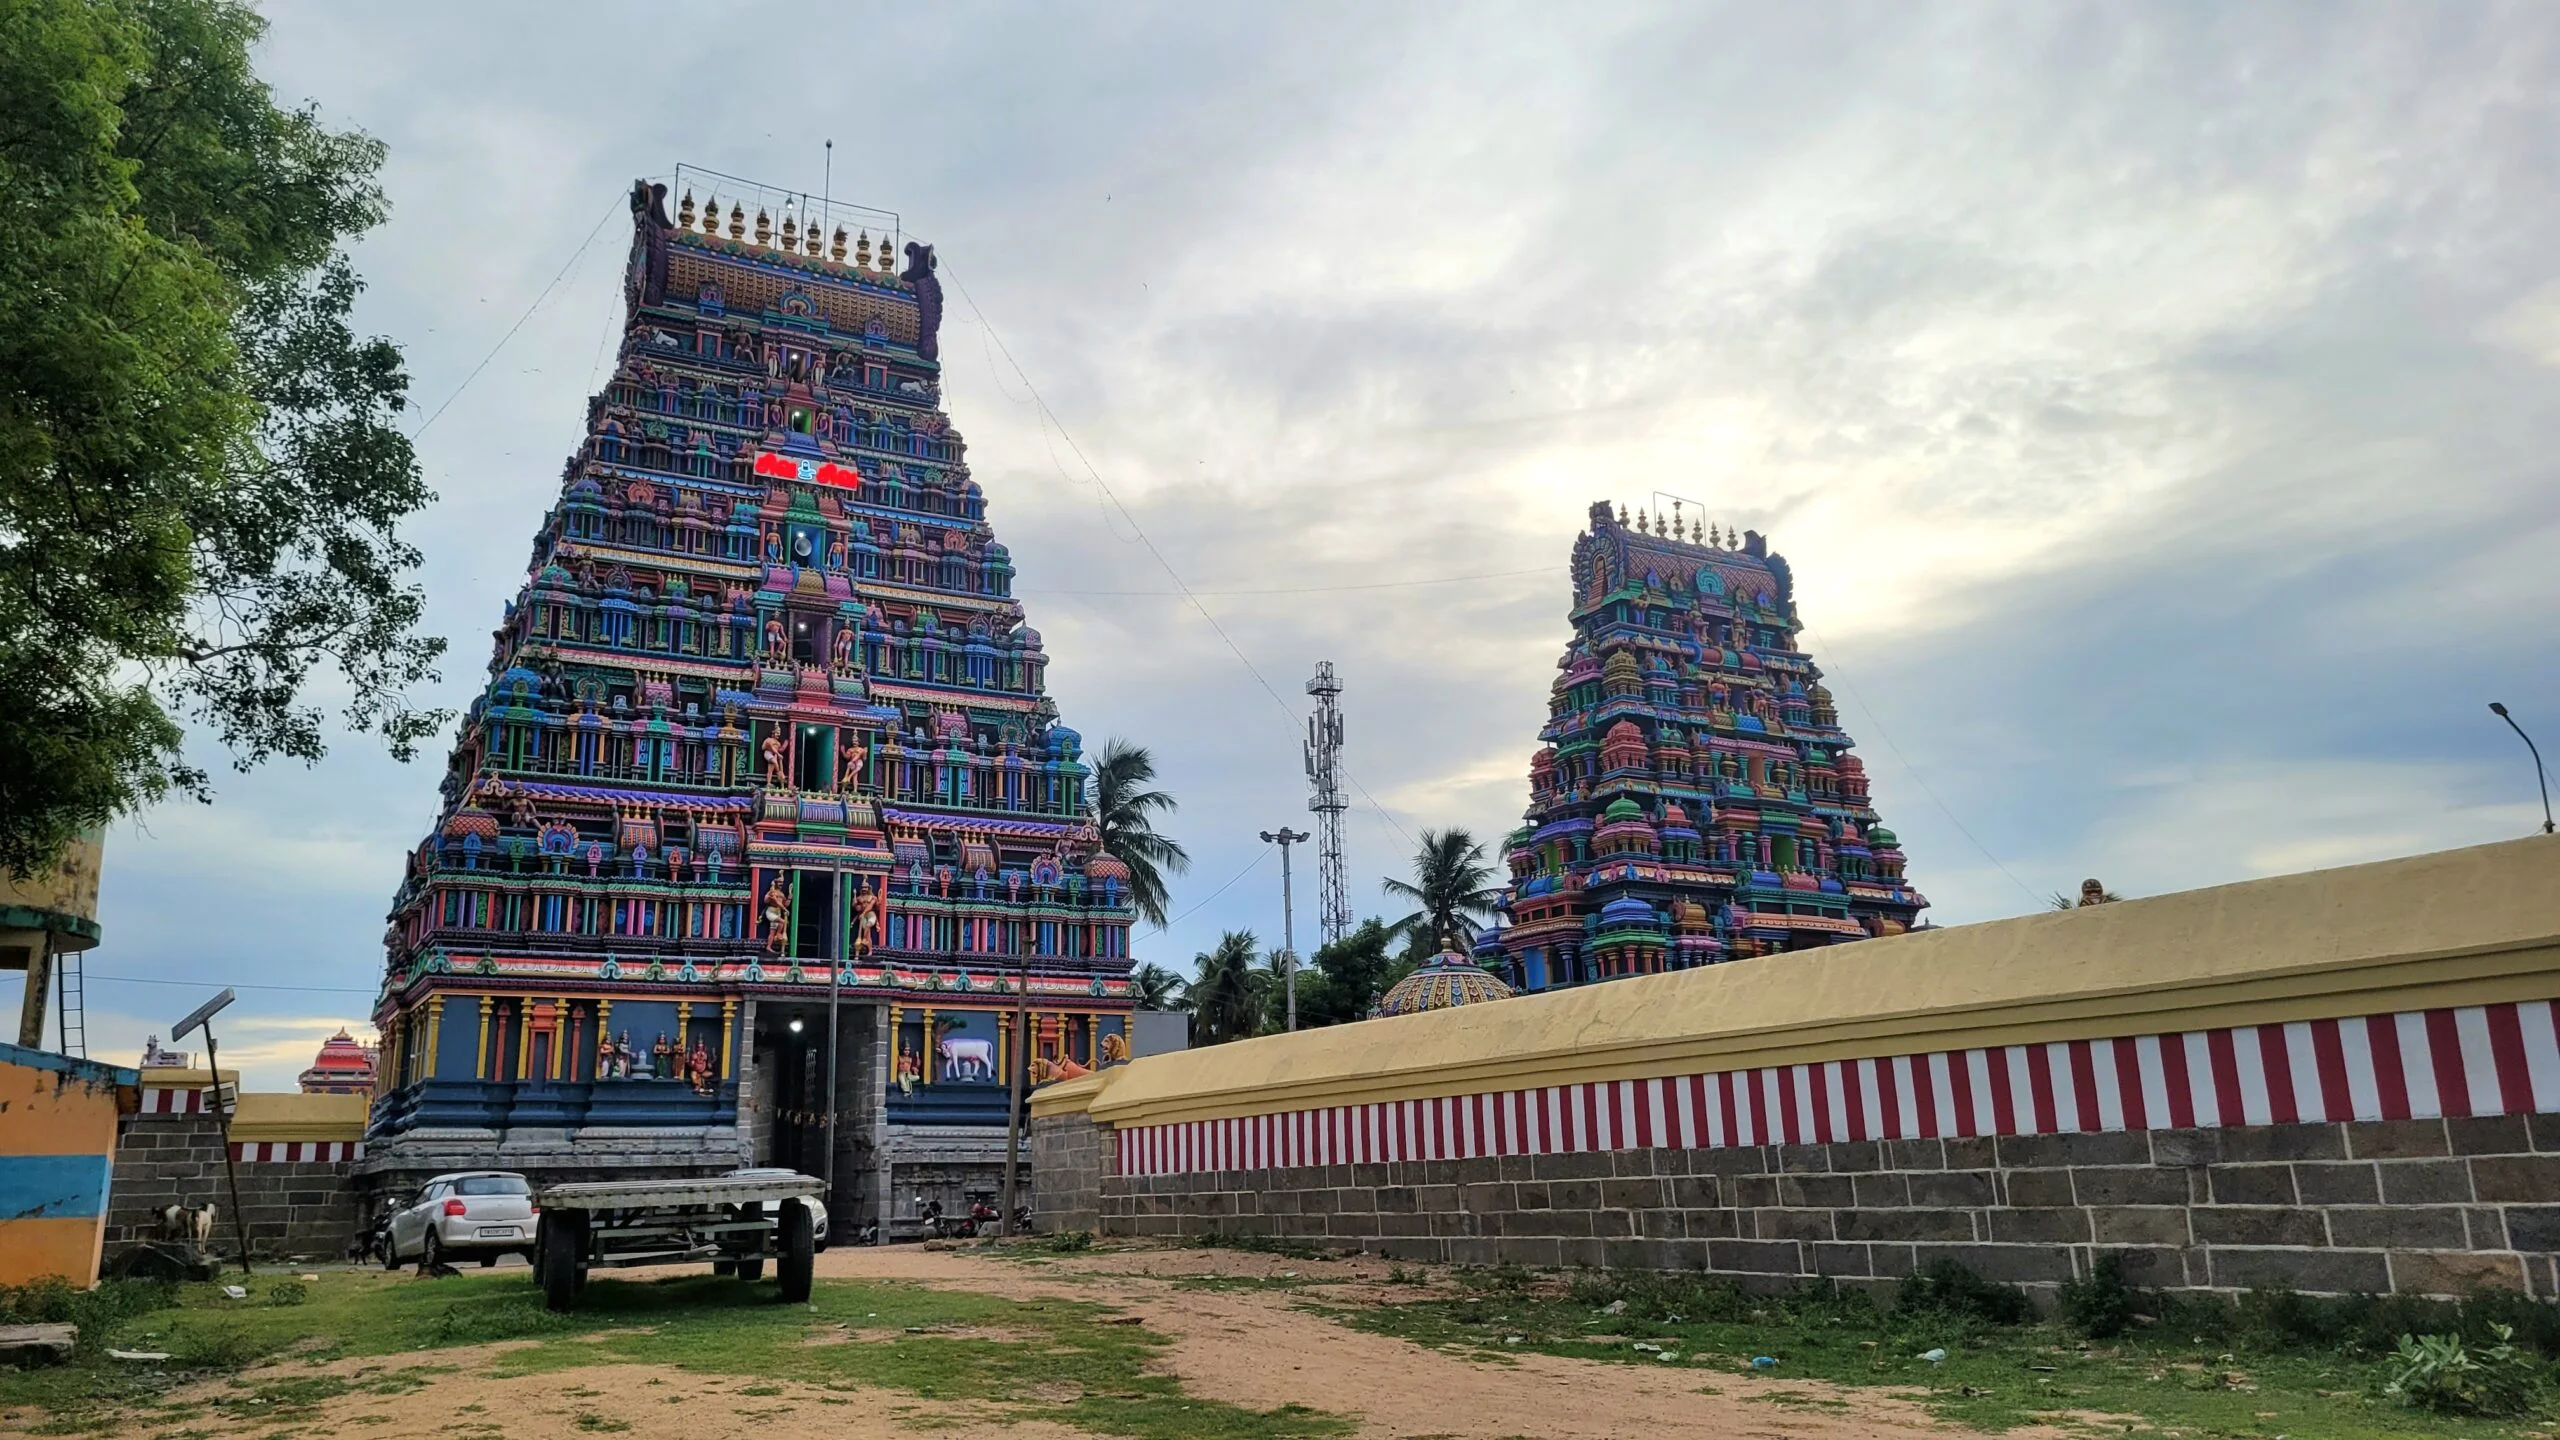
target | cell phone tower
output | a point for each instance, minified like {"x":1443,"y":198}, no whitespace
{"x":1324,"y":783}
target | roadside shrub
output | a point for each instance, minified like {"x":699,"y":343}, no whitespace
{"x":2441,"y":1375}
{"x":45,"y":1300}
{"x":1067,"y":1242}
{"x":2101,"y":1304}
{"x":287,"y":1292}
{"x":1946,"y":1289}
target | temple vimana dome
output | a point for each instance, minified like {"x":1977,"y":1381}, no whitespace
{"x":1693,"y":798}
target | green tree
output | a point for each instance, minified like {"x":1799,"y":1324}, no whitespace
{"x":1451,"y":885}
{"x":1349,"y":975}
{"x":1125,"y":811}
{"x":200,"y":482}
{"x":1154,"y":987}
{"x":1230,"y":996}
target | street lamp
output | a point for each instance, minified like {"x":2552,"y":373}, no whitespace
{"x":2501,"y":712}
{"x":1285,"y":838}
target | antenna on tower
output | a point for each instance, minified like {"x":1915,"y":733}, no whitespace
{"x":1324,"y":784}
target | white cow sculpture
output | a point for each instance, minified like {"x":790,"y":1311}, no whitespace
{"x":967,"y":1059}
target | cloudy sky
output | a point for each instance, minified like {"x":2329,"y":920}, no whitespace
{"x":2157,"y":403}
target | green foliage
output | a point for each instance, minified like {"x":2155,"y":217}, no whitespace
{"x":1231,"y":994}
{"x":1349,"y":975}
{"x":1153,"y":987}
{"x":1069,"y":1242}
{"x":50,"y":1299}
{"x":286,"y":1292}
{"x":2441,"y":1375}
{"x":1452,"y":887}
{"x":200,"y":483}
{"x":1946,"y":1288}
{"x":1125,"y":811}
{"x":2100,"y":1304}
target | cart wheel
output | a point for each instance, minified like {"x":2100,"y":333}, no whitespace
{"x":798,"y":1261}
{"x":562,"y":1243}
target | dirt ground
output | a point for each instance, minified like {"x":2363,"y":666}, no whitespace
{"x":1237,"y":1344}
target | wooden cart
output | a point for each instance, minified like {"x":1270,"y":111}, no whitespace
{"x":736,"y":1224}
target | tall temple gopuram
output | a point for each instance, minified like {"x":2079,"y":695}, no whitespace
{"x":1694,"y":799}
{"x":764,"y":706}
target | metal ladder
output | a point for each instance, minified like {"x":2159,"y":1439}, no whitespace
{"x":74,"y":1006}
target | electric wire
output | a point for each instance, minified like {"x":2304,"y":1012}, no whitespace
{"x":1833,"y":672}
{"x":574,"y":258}
{"x":1321,"y":589}
{"x":1158,"y":555}
{"x":1250,"y":866}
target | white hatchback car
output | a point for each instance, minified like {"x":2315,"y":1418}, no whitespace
{"x":816,"y":1205}
{"x":482,"y":1213}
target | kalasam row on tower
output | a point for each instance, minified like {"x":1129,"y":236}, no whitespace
{"x":1694,"y":799}
{"x":765,"y":704}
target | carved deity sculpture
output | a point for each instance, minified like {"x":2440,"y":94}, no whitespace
{"x":777,"y":916}
{"x":849,"y":775}
{"x":1115,"y":1049}
{"x":662,"y":1059}
{"x":777,"y":761}
{"x":697,"y":1068}
{"x":844,"y":634}
{"x":2093,"y":893}
{"x":928,"y":290}
{"x":866,"y":918}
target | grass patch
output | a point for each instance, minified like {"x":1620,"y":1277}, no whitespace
{"x":1264,"y":1245}
{"x":1058,"y":1361}
{"x":2263,"y":1367}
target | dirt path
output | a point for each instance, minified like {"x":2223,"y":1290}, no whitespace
{"x":1232,"y":1341}
{"x":1256,"y":1348}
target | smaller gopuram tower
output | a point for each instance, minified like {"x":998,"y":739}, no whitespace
{"x":1693,"y":799}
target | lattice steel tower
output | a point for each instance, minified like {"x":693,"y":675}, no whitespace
{"x":1324,"y":783}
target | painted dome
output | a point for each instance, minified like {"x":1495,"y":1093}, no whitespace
{"x":1446,"y":980}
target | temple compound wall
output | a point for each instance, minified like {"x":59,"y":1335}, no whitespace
{"x":295,"y":1156}
{"x":2342,"y":1081}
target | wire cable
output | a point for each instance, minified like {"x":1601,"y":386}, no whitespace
{"x":1144,"y":539}
{"x":563,"y":274}
{"x":229,"y":985}
{"x":1833,"y":672}
{"x":1254,"y":864}
{"x":1322,"y":589}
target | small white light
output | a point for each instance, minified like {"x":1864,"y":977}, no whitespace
{"x":795,"y":1027}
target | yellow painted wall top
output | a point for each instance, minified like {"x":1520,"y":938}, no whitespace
{"x":2459,"y":927}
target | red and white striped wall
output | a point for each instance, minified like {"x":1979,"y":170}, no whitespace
{"x":306,"y":1151}
{"x":2479,"y":1060}
{"x":166,"y":1100}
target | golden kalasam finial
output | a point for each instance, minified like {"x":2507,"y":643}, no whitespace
{"x":862,"y":250}
{"x":684,"y":212}
{"x":1697,"y":532}
{"x":737,"y":221}
{"x":1715,"y":536}
{"x":711,"y":217}
{"x":836,"y":251}
{"x":1677,"y":529}
{"x":1622,"y":516}
{"x":764,"y":228}
{"x":790,"y":232}
{"x":1639,"y":522}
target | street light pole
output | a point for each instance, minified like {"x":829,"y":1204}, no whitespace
{"x":840,"y":914}
{"x":1284,"y":838}
{"x":2501,"y":712}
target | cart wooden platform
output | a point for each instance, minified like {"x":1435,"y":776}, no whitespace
{"x":736,"y":1224}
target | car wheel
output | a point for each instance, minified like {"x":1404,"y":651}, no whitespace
{"x":489,"y":1259}
{"x":431,"y":1256}
{"x":390,"y":1252}
{"x":794,"y":1266}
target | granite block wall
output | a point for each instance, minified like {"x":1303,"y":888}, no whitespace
{"x":306,"y":1209}
{"x":2433,"y":1207}
{"x":1070,"y":1154}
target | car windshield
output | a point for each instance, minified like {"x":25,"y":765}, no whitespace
{"x":492,"y":1185}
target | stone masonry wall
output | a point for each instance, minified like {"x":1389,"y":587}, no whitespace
{"x":292,"y":1208}
{"x":2433,"y":1207}
{"x":1069,"y":1154}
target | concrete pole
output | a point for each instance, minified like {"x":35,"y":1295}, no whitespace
{"x":31,"y":1010}
{"x":1288,"y":918}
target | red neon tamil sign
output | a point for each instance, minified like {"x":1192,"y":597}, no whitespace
{"x":807,"y":472}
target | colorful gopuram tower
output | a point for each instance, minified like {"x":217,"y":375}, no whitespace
{"x":1694,"y":799}
{"x":765,"y":715}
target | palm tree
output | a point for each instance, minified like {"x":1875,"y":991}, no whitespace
{"x":1450,"y":872}
{"x":1228,"y":997}
{"x":1125,"y":811}
{"x":1153,"y":987}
